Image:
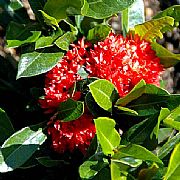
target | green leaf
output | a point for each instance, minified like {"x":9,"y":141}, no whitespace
{"x":70,"y":110}
{"x":168,"y":146}
{"x":173,"y":119}
{"x":141,"y":131}
{"x":49,"y":20}
{"x":107,"y":135}
{"x":140,"y":89}
{"x":153,"y":28}
{"x":172,"y":11}
{"x":6,"y":128}
{"x":168,"y":59}
{"x":173,"y":171}
{"x":163,"y":134}
{"x":43,"y":42}
{"x":116,"y":171}
{"x":59,"y":9}
{"x":98,"y":33}
{"x":65,"y":40}
{"x":19,"y":147}
{"x":137,"y":152}
{"x":91,"y":167}
{"x":127,"y":110}
{"x":104,"y":93}
{"x":103,"y":9}
{"x":47,"y":41}
{"x":35,"y":63}
{"x":163,"y":114}
{"x":19,"y":34}
{"x":49,"y":162}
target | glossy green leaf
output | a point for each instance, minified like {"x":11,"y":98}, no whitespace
{"x":6,"y":128}
{"x":104,"y":93}
{"x":168,"y":146}
{"x":47,"y":41}
{"x":35,"y":63}
{"x":141,"y":131}
{"x":19,"y":34}
{"x":49,"y":162}
{"x":173,"y":171}
{"x":59,"y":9}
{"x":91,"y":167}
{"x":172,"y":11}
{"x":140,"y":89}
{"x":163,"y":114}
{"x":105,"y":8}
{"x":137,"y":152}
{"x":127,"y":110}
{"x":136,"y":13}
{"x":116,"y":171}
{"x":49,"y":20}
{"x":153,"y":29}
{"x":65,"y":40}
{"x":98,"y":33}
{"x":70,"y":110}
{"x":19,"y":147}
{"x":43,"y":42}
{"x":107,"y":135}
{"x":173,"y":119}
{"x":168,"y":59}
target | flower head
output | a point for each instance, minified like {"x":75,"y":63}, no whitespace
{"x":62,"y":77}
{"x":124,"y":62}
{"x":68,"y":136}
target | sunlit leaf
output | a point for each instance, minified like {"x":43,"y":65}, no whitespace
{"x":35,"y":63}
{"x":19,"y":34}
{"x":153,"y":29}
{"x":137,"y":152}
{"x":107,"y":135}
{"x":168,"y":59}
{"x":49,"y":20}
{"x":173,"y":171}
{"x":19,"y":147}
{"x":104,"y":93}
{"x":65,"y":40}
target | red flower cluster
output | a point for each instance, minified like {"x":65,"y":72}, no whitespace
{"x":62,"y":77}
{"x":123,"y":61}
{"x":73,"y":134}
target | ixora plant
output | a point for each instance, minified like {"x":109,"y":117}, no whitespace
{"x":95,"y":98}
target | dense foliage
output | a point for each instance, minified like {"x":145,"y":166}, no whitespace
{"x":83,"y":102}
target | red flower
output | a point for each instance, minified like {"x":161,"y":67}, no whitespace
{"x":62,"y":77}
{"x":124,"y":62}
{"x":67,"y":136}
